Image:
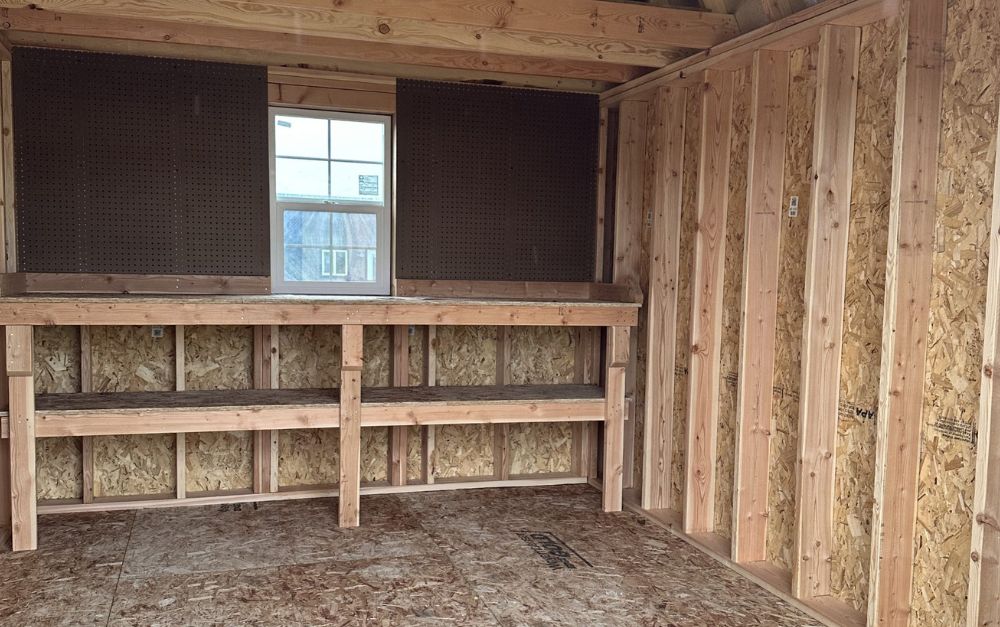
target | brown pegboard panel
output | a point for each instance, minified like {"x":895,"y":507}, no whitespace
{"x":495,"y":183}
{"x":132,"y":165}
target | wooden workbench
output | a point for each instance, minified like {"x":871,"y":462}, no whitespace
{"x":348,"y":408}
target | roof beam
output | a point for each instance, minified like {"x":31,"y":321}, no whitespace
{"x":132,"y":36}
{"x":580,"y":30}
{"x":586,"y":18}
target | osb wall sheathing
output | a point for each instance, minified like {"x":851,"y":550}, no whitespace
{"x":377,"y":347}
{"x":790,"y":312}
{"x":466,"y":355}
{"x":958,"y":296}
{"x":57,"y":371}
{"x":376,"y":373}
{"x":414,"y":459}
{"x":130,"y":359}
{"x":732,"y":302}
{"x":689,"y":212}
{"x":309,"y":357}
{"x":218,"y":358}
{"x":863,"y":310}
{"x":541,"y":355}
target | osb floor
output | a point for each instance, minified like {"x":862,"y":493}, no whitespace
{"x":480,"y":557}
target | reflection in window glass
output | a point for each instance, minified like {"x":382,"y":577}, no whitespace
{"x":301,"y":178}
{"x":301,"y":137}
{"x":330,"y":246}
{"x":357,"y":141}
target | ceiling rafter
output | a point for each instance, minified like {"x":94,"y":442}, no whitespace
{"x":577,"y":30}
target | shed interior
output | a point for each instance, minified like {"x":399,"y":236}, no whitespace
{"x":731,"y":266}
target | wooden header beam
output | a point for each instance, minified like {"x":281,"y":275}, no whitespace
{"x":256,"y":310}
{"x":146,"y":37}
{"x":580,"y":30}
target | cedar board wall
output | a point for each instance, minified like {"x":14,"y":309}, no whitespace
{"x":951,"y":391}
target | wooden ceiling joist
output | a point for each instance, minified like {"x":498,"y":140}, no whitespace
{"x":133,"y":36}
{"x":585,"y":18}
{"x":581,"y":30}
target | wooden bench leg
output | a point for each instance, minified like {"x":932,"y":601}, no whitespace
{"x":614,"y":425}
{"x":21,"y":394}
{"x":350,"y":424}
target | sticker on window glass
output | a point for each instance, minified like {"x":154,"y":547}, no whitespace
{"x":368,"y":185}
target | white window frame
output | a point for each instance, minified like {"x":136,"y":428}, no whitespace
{"x":328,"y":259}
{"x":383,"y":213}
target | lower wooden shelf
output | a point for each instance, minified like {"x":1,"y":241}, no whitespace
{"x":128,"y":413}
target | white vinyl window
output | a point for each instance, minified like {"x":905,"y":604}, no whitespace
{"x":330,"y":202}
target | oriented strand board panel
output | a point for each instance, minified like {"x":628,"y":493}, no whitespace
{"x":417,"y":339}
{"x":308,"y":457}
{"x":59,"y":470}
{"x":541,"y":355}
{"x":218,"y":358}
{"x":954,"y":348}
{"x":732,"y":299}
{"x":463,"y":451}
{"x":414,"y":458}
{"x":466,"y":355}
{"x":414,"y":454}
{"x":377,"y":347}
{"x":689,"y":212}
{"x":863,"y":309}
{"x":219,"y":461}
{"x":57,"y":360}
{"x":791,"y":290}
{"x":540,"y":448}
{"x":130,"y":359}
{"x":309,"y":357}
{"x":374,"y":454}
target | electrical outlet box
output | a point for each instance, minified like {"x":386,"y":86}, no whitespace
{"x":793,"y":207}
{"x":157,"y":332}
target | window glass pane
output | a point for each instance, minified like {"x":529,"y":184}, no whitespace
{"x":358,"y":182}
{"x":300,"y":137}
{"x":301,"y":178}
{"x":304,"y":263}
{"x":346,"y":252}
{"x":357,"y":141}
{"x":307,"y":227}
